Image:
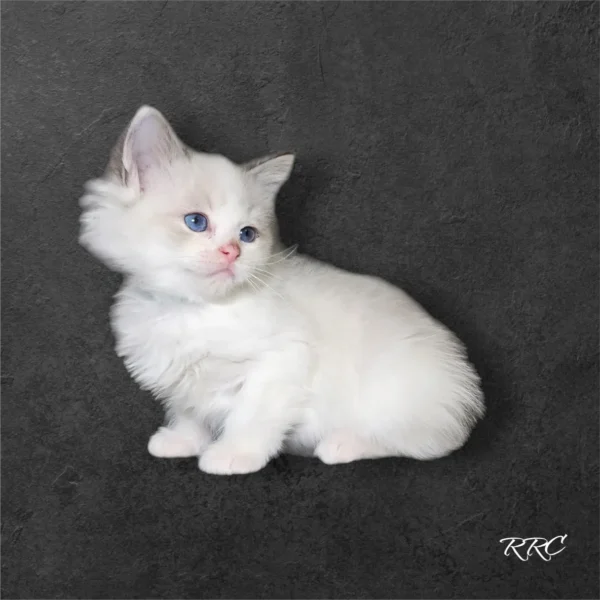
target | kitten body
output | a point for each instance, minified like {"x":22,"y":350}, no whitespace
{"x":272,"y":351}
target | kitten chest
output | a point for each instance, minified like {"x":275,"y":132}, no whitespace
{"x":183,"y":351}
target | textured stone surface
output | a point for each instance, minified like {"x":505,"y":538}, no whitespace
{"x":451,"y":148}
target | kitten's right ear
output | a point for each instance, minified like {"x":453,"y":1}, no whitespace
{"x":145,"y":150}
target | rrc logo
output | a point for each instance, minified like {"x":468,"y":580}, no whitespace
{"x":523,"y":548}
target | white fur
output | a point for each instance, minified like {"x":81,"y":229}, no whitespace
{"x":286,"y":354}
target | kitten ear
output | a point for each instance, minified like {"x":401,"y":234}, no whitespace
{"x":146,"y":149}
{"x":271,"y":172}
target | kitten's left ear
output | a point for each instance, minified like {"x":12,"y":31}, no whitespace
{"x":271,"y":172}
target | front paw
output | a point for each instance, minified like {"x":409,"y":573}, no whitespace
{"x":169,"y":443}
{"x":225,"y":459}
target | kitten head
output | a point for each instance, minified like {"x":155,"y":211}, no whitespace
{"x":185,"y":222}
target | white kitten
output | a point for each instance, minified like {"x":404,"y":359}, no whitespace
{"x":254,"y":349}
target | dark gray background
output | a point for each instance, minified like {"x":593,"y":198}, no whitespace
{"x":451,"y":148}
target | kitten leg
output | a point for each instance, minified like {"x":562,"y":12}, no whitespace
{"x":222,"y":459}
{"x":265,"y":411}
{"x":182,"y":438}
{"x":345,"y":446}
{"x":253,"y":433}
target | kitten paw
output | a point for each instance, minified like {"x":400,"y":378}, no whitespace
{"x":226,"y":460}
{"x":168,"y":443}
{"x":345,"y":448}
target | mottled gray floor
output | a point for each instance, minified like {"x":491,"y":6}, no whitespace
{"x":451,"y":148}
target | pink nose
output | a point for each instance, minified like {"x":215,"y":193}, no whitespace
{"x":230,"y":251}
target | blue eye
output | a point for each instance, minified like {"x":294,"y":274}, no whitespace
{"x":196,"y":221}
{"x":248,"y":234}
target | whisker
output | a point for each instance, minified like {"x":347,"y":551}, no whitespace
{"x":253,"y":276}
{"x":292,"y":247}
{"x":286,"y":254}
{"x":252,"y":284}
{"x":266,"y":272}
{"x":289,"y":252}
